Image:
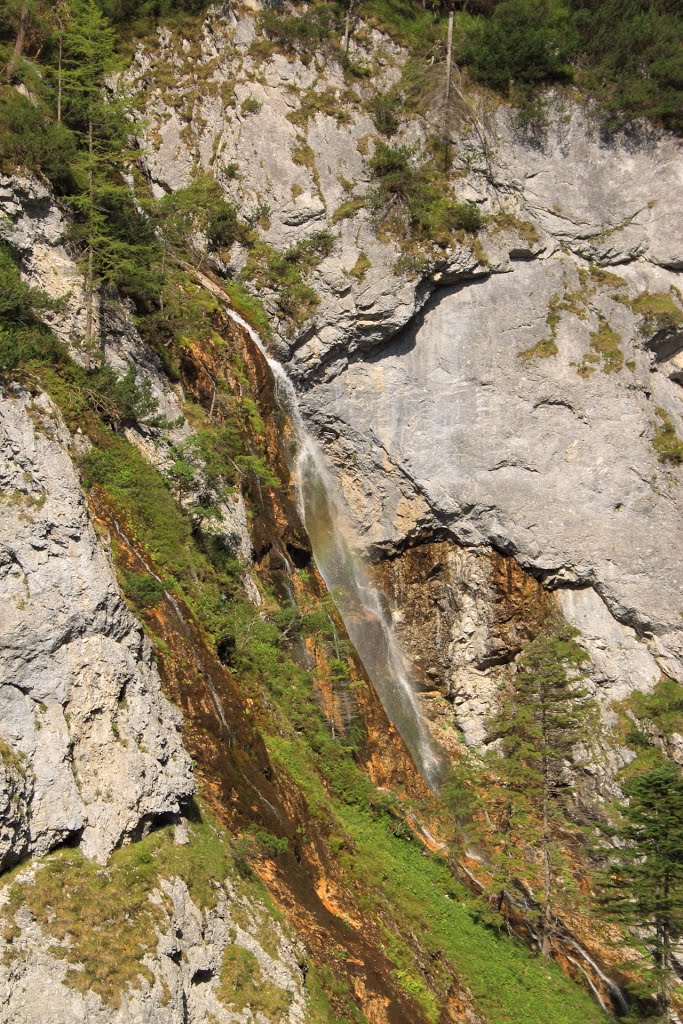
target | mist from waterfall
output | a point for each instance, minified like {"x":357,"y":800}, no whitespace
{"x":347,"y":578}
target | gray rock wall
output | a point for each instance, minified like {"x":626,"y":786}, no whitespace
{"x":80,"y":698}
{"x":430,"y":392}
{"x":182,"y":962}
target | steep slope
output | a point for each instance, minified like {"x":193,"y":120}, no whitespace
{"x":520,"y":408}
{"x":499,"y":408}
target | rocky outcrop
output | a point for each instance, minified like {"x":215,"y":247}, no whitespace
{"x":543,"y":453}
{"x":462,"y":616}
{"x":507,"y":395}
{"x":80,"y":698}
{"x":36,"y":227}
{"x":229,"y":962}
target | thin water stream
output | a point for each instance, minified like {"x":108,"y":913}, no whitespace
{"x":348,"y":581}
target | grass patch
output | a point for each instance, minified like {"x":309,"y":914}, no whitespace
{"x":327,"y":102}
{"x":605,"y":278}
{"x":360,"y":267}
{"x":348,"y":209}
{"x":250,"y":308}
{"x":605,"y":349}
{"x":102,"y":920}
{"x":666,"y":442}
{"x":508,"y":984}
{"x":547,"y":347}
{"x":13,"y":759}
{"x":658,"y":310}
{"x":242,"y":984}
{"x":541,"y":350}
{"x":524,"y":229}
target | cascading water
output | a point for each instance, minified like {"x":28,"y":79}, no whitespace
{"x":347,"y":579}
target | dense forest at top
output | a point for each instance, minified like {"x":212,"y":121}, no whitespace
{"x":627,"y":53}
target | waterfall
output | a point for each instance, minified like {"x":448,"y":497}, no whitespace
{"x":346,"y":577}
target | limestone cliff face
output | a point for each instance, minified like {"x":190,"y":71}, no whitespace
{"x":490,"y":423}
{"x":506,"y":400}
{"x":83,"y":716}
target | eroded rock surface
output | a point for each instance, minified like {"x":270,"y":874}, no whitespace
{"x":507,"y":394}
{"x":550,"y":459}
{"x":199,"y":964}
{"x":80,"y":697}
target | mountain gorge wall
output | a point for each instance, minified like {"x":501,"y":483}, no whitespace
{"x":489,"y":410}
{"x":509,"y":396}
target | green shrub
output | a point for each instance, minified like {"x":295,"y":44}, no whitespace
{"x":250,"y":106}
{"x":223,"y":226}
{"x":30,"y":140}
{"x":525,"y":41}
{"x":19,"y":302}
{"x":143,"y":591}
{"x":406,"y":192}
{"x":23,"y":338}
{"x":117,"y":401}
{"x":632,"y":58}
{"x":666,"y":441}
{"x":285,"y":272}
{"x":391,"y":167}
{"x":384,"y":110}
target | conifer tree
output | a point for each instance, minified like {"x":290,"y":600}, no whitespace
{"x":119,"y":247}
{"x":540,"y":722}
{"x":87,"y":60}
{"x":644,"y":887}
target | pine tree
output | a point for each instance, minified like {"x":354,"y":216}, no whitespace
{"x":119,"y":246}
{"x":88,"y":58}
{"x":644,"y":887}
{"x":539,"y":723}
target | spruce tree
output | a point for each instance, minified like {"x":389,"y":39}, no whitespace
{"x":644,"y":887}
{"x":119,"y":246}
{"x":87,"y":60}
{"x":540,"y":722}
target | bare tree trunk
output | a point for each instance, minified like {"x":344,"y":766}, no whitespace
{"x":547,"y":869}
{"x":19,"y":43}
{"x":449,"y":66}
{"x":89,"y":274}
{"x":447,"y":96}
{"x":347,"y":29}
{"x":59,"y":81}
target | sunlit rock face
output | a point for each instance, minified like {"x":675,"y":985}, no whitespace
{"x":506,"y":395}
{"x":549,"y":458}
{"x":460,"y":428}
{"x":83,"y":716}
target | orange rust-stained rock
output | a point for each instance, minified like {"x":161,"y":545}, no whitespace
{"x":237,"y":779}
{"x":242,"y":787}
{"x":522,"y":605}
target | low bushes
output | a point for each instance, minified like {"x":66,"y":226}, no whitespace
{"x":408,"y":199}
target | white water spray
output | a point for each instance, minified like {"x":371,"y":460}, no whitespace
{"x":348,"y":580}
